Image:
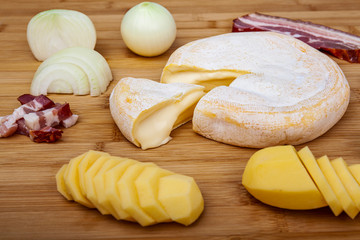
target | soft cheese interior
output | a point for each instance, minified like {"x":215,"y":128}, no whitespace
{"x":147,"y":111}
{"x":153,"y":127}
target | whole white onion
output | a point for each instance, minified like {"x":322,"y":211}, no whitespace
{"x":148,"y":29}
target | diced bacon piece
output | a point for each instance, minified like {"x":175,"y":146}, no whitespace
{"x":36,"y":118}
{"x":8,"y":126}
{"x":70,"y":121}
{"x":22,"y":128}
{"x":38,"y":103}
{"x":46,"y":134}
{"x":340,"y":44}
{"x":25,"y":98}
{"x":50,"y":117}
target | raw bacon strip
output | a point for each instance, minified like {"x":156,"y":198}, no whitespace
{"x":48,"y":118}
{"x":46,"y":134}
{"x":335,"y":42}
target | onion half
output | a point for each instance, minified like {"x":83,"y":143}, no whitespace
{"x":75,"y":70}
{"x":56,"y":29}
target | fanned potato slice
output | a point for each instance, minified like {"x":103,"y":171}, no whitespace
{"x":112,"y":176}
{"x":91,"y":193}
{"x":100,"y":187}
{"x":315,"y":172}
{"x":147,"y":187}
{"x":128,"y":195}
{"x":60,"y":183}
{"x":72,"y":182}
{"x":88,"y":160}
{"x":337,"y":186}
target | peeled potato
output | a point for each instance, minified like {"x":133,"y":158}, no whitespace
{"x":130,"y":190}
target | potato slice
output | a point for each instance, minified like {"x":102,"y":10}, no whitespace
{"x":128,"y":194}
{"x":90,"y":188}
{"x":111,"y":178}
{"x":315,"y":172}
{"x":337,"y":186}
{"x":275,"y":176}
{"x":181,"y":198}
{"x":90,"y":157}
{"x":60,"y":183}
{"x":147,"y":187}
{"x":99,"y":185}
{"x":355,"y":171}
{"x":347,"y":179}
{"x":72,"y":181}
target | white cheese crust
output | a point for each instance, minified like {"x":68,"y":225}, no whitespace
{"x":286,"y":91}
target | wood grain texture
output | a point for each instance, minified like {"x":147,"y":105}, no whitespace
{"x":30,"y":206}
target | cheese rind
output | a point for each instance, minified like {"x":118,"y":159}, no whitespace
{"x":275,"y":176}
{"x":146,"y":111}
{"x":337,"y":186}
{"x":347,"y":179}
{"x":284,"y":92}
{"x":315,"y":172}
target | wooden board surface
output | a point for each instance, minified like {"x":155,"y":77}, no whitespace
{"x":30,"y":206}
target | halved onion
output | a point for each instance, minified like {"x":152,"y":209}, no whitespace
{"x":76,"y":70}
{"x":56,"y":29}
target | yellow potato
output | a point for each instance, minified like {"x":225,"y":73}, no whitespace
{"x":111,"y":177}
{"x":72,"y":182}
{"x":89,"y":184}
{"x":60,"y":183}
{"x":147,"y":187}
{"x":90,"y":157}
{"x":181,"y":198}
{"x":275,"y":176}
{"x":128,"y":194}
{"x":99,"y":185}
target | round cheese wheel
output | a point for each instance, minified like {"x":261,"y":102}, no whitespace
{"x":282,"y":90}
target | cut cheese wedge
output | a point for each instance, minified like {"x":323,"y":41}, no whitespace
{"x":71,"y":179}
{"x":337,"y":186}
{"x":285,"y":91}
{"x":355,"y":171}
{"x":147,"y":187}
{"x":147,"y":111}
{"x":275,"y":176}
{"x":60,"y":183}
{"x":314,"y":170}
{"x":347,"y":179}
{"x":128,"y":194}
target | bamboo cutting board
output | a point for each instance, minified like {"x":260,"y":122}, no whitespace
{"x":30,"y":206}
